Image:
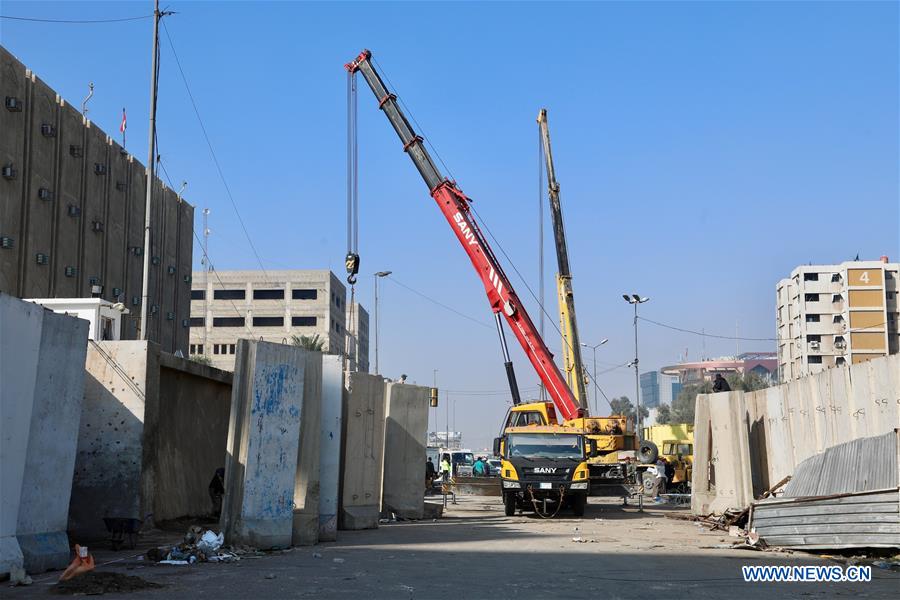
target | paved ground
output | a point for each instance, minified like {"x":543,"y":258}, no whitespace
{"x":477,"y":552}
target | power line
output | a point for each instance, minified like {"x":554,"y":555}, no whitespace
{"x":730,"y":337}
{"x":441,"y":304}
{"x":75,"y":21}
{"x":215,"y":158}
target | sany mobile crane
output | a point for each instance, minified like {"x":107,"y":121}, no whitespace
{"x":543,"y":478}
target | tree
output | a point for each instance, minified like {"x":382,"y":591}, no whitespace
{"x":623,"y":406}
{"x":308,"y":342}
{"x":683,"y":405}
{"x":199,"y":358}
{"x":749,"y":382}
{"x":663,"y":414}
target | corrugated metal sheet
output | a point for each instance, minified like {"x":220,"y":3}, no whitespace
{"x":845,"y":497}
{"x":857,"y":466}
{"x":868,"y":519}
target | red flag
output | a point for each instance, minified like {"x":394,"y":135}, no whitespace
{"x":124,"y":124}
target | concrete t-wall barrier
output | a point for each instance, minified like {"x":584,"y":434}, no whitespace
{"x":263,"y":441}
{"x":152,"y":433}
{"x":363,"y":447}
{"x":41,"y":376}
{"x":405,"y":427}
{"x":330,"y":446}
{"x":789,"y":423}
{"x":306,"y":481}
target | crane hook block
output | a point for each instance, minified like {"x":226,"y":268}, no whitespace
{"x":352,"y":263}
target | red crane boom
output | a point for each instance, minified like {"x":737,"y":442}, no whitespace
{"x":455,"y":207}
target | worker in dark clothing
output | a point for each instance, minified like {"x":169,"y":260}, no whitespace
{"x":430,"y":472}
{"x":720,"y":385}
{"x":217,"y":490}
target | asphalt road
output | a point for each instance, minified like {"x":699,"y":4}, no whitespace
{"x":477,"y":552}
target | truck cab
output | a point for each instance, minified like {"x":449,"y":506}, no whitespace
{"x":544,"y":468}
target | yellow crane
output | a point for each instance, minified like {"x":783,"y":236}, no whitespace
{"x":573,"y":367}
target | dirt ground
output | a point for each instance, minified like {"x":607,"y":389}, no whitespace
{"x":477,"y":552}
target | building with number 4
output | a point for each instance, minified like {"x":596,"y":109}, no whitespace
{"x":835,"y":315}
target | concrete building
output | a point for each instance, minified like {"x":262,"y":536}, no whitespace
{"x":658,"y":388}
{"x":104,"y":317}
{"x":836,"y":315}
{"x":72,"y":213}
{"x":269,"y":306}
{"x":764,"y":364}
{"x":357,"y":338}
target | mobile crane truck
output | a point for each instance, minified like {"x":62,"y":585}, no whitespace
{"x":505,"y":304}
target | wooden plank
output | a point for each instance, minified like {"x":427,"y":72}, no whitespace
{"x":864,"y":497}
{"x":835,"y":541}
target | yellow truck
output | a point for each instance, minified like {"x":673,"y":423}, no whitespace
{"x":676,"y":444}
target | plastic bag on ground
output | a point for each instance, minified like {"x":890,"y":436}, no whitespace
{"x":210,"y":542}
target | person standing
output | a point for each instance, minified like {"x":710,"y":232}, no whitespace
{"x":479,"y":468}
{"x":429,"y":473}
{"x":660,"y":477}
{"x":720,"y":384}
{"x":445,"y":467}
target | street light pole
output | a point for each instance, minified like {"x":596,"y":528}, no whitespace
{"x":596,"y":385}
{"x":378,"y":276}
{"x":636,"y":299}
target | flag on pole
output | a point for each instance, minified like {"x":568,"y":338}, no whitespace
{"x":123,"y":126}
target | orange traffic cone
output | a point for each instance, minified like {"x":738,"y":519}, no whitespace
{"x":81,"y":564}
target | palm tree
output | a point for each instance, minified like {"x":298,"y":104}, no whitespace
{"x":307,"y":342}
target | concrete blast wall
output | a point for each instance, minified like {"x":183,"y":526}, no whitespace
{"x":786,"y":424}
{"x":41,"y":376}
{"x":306,"y":480}
{"x":362,"y":453}
{"x":330,"y":446}
{"x":405,"y":427}
{"x":152,"y":433}
{"x":263,"y":442}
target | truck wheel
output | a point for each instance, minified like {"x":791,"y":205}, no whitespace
{"x":578,"y":503}
{"x":647,"y":452}
{"x":509,"y":504}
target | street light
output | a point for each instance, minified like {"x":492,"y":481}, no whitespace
{"x":636,"y":299}
{"x":378,"y":276}
{"x":596,"y":386}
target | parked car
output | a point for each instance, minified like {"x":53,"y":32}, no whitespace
{"x":494,"y":464}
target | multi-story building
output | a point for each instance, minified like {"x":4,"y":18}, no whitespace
{"x":72,"y":206}
{"x":272,"y":306}
{"x":763,"y":364}
{"x":834,"y":315}
{"x":658,"y":388}
{"x":357,"y":338}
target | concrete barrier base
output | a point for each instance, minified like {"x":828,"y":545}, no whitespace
{"x":44,"y":551}
{"x":10,"y":554}
{"x":360,"y":517}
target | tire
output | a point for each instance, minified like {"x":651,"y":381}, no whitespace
{"x":647,"y":452}
{"x":509,"y":504}
{"x":578,"y":503}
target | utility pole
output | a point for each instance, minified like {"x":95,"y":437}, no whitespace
{"x":636,"y":299}
{"x":151,"y":160}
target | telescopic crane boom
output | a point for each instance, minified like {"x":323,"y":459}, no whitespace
{"x":455,"y":207}
{"x":573,"y":365}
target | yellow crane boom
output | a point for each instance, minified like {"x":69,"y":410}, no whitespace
{"x":573,"y":367}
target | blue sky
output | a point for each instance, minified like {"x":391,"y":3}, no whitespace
{"x":704,"y":150}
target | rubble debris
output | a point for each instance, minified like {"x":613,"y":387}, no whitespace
{"x":199,"y":545}
{"x":18,"y":576}
{"x":95,"y":583}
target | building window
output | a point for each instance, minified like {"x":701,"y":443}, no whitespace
{"x":215,"y":348}
{"x":810,"y":277}
{"x":199,"y":348}
{"x":303,"y":321}
{"x":814,"y":338}
{"x":229,"y":294}
{"x":198,"y":294}
{"x":812,"y":318}
{"x":839,"y":342}
{"x":835,"y":277}
{"x":231,"y":348}
{"x":837,"y":319}
{"x":268,"y":294}
{"x":891,"y":295}
{"x":228,"y":321}
{"x":840,"y":361}
{"x":193,"y":349}
{"x":198,"y":322}
{"x":814,"y":360}
{"x":268,"y":321}
{"x":305,"y":294}
{"x":888,"y":274}
{"x":811,"y":297}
